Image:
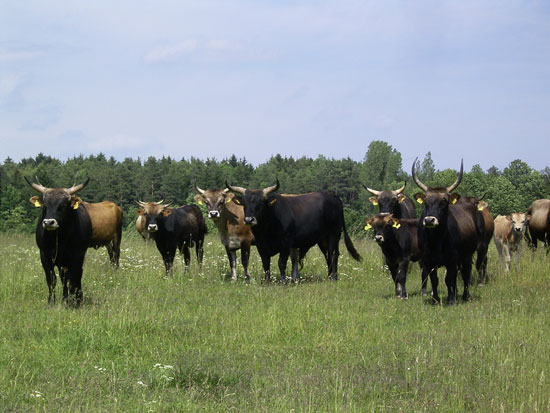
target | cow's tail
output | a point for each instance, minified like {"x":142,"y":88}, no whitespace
{"x":349,"y":245}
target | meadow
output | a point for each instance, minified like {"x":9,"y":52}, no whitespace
{"x":195,"y":341}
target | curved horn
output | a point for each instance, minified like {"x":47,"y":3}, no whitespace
{"x":238,"y":189}
{"x":159,"y":202}
{"x":398,"y":191}
{"x":271,"y":189}
{"x":75,"y":188}
{"x":39,"y":187}
{"x":200,"y":191}
{"x":417,"y":181}
{"x":225,"y":191}
{"x":458,"y":179}
{"x":372,"y":191}
{"x":167,"y":205}
{"x":141,"y":203}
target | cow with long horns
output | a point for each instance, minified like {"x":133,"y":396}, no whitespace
{"x":447,"y":235}
{"x":229,"y":219}
{"x":282,"y":224}
{"x":67,"y":227}
{"x":174,"y":228}
{"x":393,"y":202}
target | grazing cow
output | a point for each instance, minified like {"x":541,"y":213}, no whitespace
{"x":173,"y":228}
{"x":398,"y":239}
{"x":141,"y":228}
{"x":538,"y":216}
{"x":509,"y":231}
{"x":393,"y":202}
{"x":485,"y":226}
{"x":281,"y":223}
{"x":447,"y":235}
{"x":67,"y":227}
{"x":229,"y":219}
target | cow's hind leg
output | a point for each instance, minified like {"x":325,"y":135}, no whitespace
{"x":295,"y":260}
{"x":450,"y":281}
{"x":466,"y":272}
{"x":245,"y":255}
{"x":332,"y":257}
{"x":283,"y":259}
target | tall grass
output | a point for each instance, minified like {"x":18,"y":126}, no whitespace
{"x":142,"y":341}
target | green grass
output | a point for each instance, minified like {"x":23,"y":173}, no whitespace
{"x":197,"y":342}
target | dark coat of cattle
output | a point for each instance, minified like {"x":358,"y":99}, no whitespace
{"x":447,"y":235}
{"x":509,"y":231}
{"x":485,"y":226}
{"x":393,"y":202}
{"x":174,"y":228}
{"x":281,"y":223}
{"x":67,"y":227}
{"x":398,"y":239}
{"x":538,"y":216}
{"x":229,"y":219}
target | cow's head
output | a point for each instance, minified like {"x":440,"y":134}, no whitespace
{"x":254,"y":201}
{"x":382,"y":225}
{"x":519,"y":222}
{"x":436,"y":200}
{"x":387,"y":201}
{"x":214,"y":200}
{"x":154,"y":213}
{"x":57,"y":203}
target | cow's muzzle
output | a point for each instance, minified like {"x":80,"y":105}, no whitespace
{"x":153,"y":228}
{"x":50,"y":224}
{"x":430,"y":222}
{"x":250,"y":221}
{"x":379,"y":239}
{"x":213,"y":214}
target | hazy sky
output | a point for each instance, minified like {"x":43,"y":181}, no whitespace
{"x":206,"y":79}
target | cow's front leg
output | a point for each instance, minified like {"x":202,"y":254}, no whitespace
{"x":434,"y":280}
{"x":450,"y":281}
{"x":51,"y":278}
{"x":245,"y":255}
{"x":394,"y":267}
{"x":266,"y":263}
{"x":401,"y":279}
{"x":232,"y":256}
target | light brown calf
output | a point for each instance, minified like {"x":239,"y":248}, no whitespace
{"x":509,"y":231}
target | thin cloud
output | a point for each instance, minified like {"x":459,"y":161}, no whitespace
{"x":170,"y":53}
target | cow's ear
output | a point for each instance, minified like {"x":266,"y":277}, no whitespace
{"x":75,"y":202}
{"x":401,"y":198}
{"x":141,"y":212}
{"x":394,"y":223}
{"x":528,"y":217}
{"x":198,"y":199}
{"x":509,"y":218}
{"x":166,"y":212}
{"x":481,"y":205}
{"x":453,"y":198}
{"x":373,"y":200}
{"x":368,"y":221}
{"x":420,"y":197}
{"x":36,"y":201}
{"x":228,"y":196}
{"x":238,"y":200}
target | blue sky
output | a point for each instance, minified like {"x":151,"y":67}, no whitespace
{"x":462,"y":79}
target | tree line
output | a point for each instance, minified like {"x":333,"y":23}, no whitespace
{"x":124,"y":182}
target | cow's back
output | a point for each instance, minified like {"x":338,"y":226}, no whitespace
{"x":106,"y":220}
{"x":539,"y":210}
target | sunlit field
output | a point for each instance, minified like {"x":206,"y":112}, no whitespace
{"x":142,"y":341}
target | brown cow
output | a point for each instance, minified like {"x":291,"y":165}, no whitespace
{"x":538,"y":216}
{"x":229,"y":219}
{"x":106,"y":218}
{"x":509,"y":231}
{"x":141,"y":228}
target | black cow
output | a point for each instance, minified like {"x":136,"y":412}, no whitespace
{"x":281,"y":223}
{"x":67,"y":227}
{"x":173,"y":228}
{"x":447,"y":235}
{"x":398,"y":239}
{"x":393,"y":202}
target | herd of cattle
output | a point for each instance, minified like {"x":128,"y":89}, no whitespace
{"x":450,"y":230}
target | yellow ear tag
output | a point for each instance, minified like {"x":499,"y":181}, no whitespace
{"x":419,"y":200}
{"x":375,"y":201}
{"x":480,"y":208}
{"x":396,"y":225}
{"x":228,"y":200}
{"x":200,"y":202}
{"x":37,"y":204}
{"x":75,"y":206}
{"x":367,"y":227}
{"x":401,"y":199}
{"x":453,"y":201}
{"x":272,"y":201}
